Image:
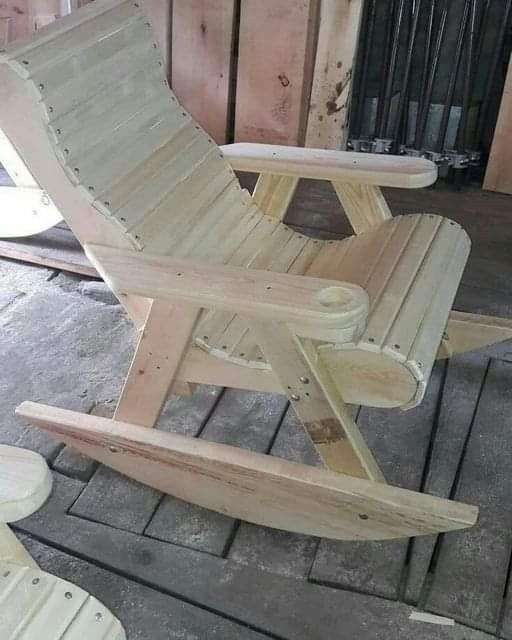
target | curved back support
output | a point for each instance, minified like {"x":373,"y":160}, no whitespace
{"x":138,"y":159}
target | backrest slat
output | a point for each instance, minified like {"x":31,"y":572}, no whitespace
{"x":119,"y":132}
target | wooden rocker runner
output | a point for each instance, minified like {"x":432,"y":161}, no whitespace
{"x":225,"y":293}
{"x":35,"y":605}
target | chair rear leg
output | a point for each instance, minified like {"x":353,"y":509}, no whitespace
{"x":160,"y":351}
{"x":317,"y":402}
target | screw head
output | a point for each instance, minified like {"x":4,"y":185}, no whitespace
{"x":113,"y":449}
{"x":304,"y":380}
{"x":98,"y":616}
{"x":68,"y":595}
{"x":295,"y":397}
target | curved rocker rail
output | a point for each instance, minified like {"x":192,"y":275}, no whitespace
{"x":258,"y":488}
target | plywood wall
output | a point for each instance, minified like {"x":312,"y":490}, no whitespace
{"x":498,"y":176}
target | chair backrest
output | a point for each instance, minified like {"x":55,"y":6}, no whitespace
{"x":139,"y":160}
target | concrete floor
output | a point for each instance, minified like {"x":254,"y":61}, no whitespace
{"x":173,"y":570}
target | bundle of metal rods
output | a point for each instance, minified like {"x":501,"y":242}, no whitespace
{"x":425,"y":76}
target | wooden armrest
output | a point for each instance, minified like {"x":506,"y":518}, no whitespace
{"x":336,"y":166}
{"x":327,"y":309}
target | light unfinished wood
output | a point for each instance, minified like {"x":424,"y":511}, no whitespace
{"x":326,"y":418}
{"x":25,"y":212}
{"x":336,"y":166}
{"x":89,"y":107}
{"x":273,"y":194}
{"x":202,"y":42}
{"x":338,"y":37}
{"x":162,"y":344}
{"x":498,"y":176}
{"x":14,"y":165}
{"x":468,"y":331}
{"x":313,"y":306}
{"x":159,"y":13}
{"x":38,"y":606}
{"x":25,"y":483}
{"x":364,"y":205}
{"x":11,"y":549}
{"x":277,"y":68}
{"x":252,"y":486}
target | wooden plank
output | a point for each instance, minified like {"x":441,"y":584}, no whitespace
{"x":251,"y":486}
{"x":325,"y":416}
{"x":338,"y":38}
{"x":163,"y":342}
{"x":336,"y":166}
{"x":274,"y":70}
{"x":315,"y":306}
{"x":498,"y":176}
{"x":6,"y":30}
{"x":111,"y":498}
{"x":12,"y":550}
{"x":364,"y":205}
{"x":243,"y":419}
{"x":25,"y":212}
{"x":34,"y":257}
{"x":18,"y":13}
{"x":467,"y":331}
{"x":476,"y":564}
{"x":159,"y":13}
{"x":202,"y":42}
{"x":273,"y":194}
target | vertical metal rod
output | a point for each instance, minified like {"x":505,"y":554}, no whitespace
{"x":391,"y":70}
{"x":407,"y":73}
{"x":453,"y":79}
{"x":384,"y":66}
{"x":492,"y":72}
{"x":468,"y":77}
{"x":369,"y":18}
{"x":420,"y":132}
{"x":425,"y":70}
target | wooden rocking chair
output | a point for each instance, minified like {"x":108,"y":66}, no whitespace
{"x":225,"y":293}
{"x":35,"y":605}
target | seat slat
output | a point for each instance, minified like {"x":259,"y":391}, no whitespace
{"x":429,"y":277}
{"x":153,"y":181}
{"x":402,"y":276}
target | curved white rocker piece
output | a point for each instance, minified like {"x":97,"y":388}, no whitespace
{"x":25,"y":209}
{"x":34,"y":604}
{"x":226,"y":293}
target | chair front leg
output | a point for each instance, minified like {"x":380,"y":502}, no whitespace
{"x":317,"y":402}
{"x":162,"y":345}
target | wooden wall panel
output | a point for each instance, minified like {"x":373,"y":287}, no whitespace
{"x":276,"y":54}
{"x":498,"y":176}
{"x":18,"y":12}
{"x":202,"y":42}
{"x":335,"y":58}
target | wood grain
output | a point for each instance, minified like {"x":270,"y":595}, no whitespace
{"x":239,"y":483}
{"x":498,"y":176}
{"x":274,"y":70}
{"x":202,"y":43}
